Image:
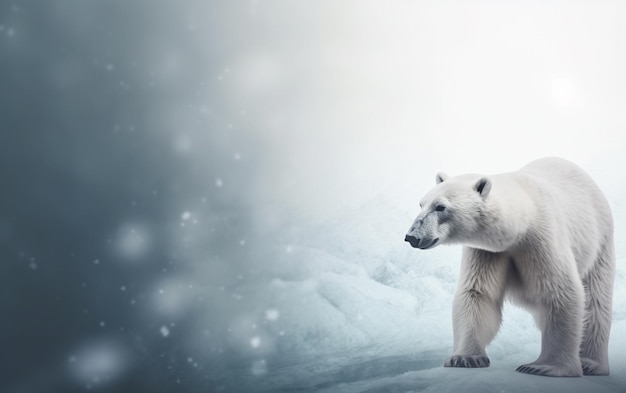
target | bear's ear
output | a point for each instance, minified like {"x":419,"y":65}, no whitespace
{"x":441,"y":177}
{"x":483,"y":186}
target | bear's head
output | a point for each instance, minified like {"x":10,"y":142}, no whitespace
{"x":451,"y":212}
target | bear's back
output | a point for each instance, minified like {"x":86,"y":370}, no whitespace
{"x":567,"y":182}
{"x":568,"y":195}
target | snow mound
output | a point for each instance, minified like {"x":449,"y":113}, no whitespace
{"x":357,"y":310}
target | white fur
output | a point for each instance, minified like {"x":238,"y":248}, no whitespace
{"x":541,"y":237}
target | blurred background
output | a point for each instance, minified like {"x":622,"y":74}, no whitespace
{"x":213,"y":195}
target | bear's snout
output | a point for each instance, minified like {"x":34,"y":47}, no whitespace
{"x":422,"y":244}
{"x":412,"y":240}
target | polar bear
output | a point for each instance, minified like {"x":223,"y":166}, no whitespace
{"x":541,"y":237}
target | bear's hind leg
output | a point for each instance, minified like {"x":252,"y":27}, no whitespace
{"x":560,"y":319}
{"x":598,"y":307}
{"x":561,"y":328}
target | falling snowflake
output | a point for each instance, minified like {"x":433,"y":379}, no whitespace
{"x":165,"y":331}
{"x":98,"y":363}
{"x":259,"y":367}
{"x":133,"y":241}
{"x":272,"y":314}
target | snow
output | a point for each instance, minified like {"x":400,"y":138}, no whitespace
{"x":98,"y":363}
{"x":361,"y":311}
{"x":133,"y":241}
{"x":171,"y":297}
{"x":272,"y":314}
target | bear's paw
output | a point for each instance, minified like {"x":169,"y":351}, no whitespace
{"x":591,"y":367}
{"x":467,"y":361}
{"x":550,"y":370}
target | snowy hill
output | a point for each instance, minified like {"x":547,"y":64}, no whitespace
{"x":360,"y":311}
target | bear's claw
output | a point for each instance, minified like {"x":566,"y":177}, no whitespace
{"x":549,"y":370}
{"x":472,"y":361}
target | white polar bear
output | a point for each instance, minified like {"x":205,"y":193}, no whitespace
{"x":542,"y":237}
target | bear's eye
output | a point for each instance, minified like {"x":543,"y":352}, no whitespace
{"x":440,"y":208}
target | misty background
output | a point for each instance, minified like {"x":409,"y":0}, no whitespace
{"x":213,"y":195}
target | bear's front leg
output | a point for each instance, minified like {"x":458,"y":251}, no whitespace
{"x":477,"y":308}
{"x":475,"y":321}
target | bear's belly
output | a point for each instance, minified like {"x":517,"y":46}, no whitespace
{"x":517,"y":294}
{"x":521,"y":289}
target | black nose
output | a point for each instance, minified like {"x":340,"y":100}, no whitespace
{"x":412,"y":240}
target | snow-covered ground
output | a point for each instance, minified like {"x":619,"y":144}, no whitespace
{"x":347,"y":306}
